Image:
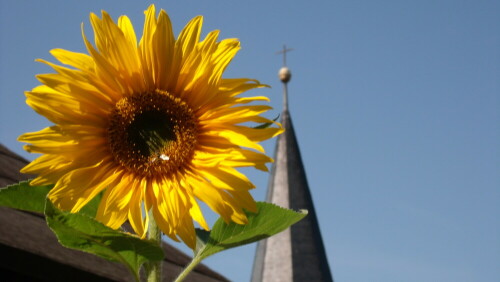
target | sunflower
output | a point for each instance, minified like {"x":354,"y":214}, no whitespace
{"x":152,"y":125}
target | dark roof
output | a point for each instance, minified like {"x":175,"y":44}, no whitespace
{"x":10,"y":164}
{"x":30,"y":251}
{"x":296,"y":254}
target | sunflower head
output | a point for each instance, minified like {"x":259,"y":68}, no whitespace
{"x":152,"y":125}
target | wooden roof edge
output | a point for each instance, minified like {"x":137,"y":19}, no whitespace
{"x":8,"y":153}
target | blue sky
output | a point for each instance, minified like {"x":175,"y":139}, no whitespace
{"x":395,"y":104}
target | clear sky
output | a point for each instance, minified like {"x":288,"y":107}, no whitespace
{"x":395,"y":105}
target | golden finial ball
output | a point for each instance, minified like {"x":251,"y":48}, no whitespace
{"x":285,"y":74}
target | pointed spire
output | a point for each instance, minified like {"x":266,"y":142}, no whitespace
{"x":296,"y":254}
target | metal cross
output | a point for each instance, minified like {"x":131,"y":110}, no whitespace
{"x":284,"y":53}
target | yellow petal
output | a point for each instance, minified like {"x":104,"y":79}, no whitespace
{"x":135,"y":216}
{"x":146,"y":51}
{"x":235,"y":138}
{"x":78,"y":187}
{"x":236,"y":112}
{"x":163,"y":43}
{"x":128,"y":30}
{"x":207,"y":193}
{"x":190,"y":35}
{"x":226,"y":51}
{"x":78,"y":60}
{"x":113,"y":208}
{"x":227,"y":178}
{"x":110,"y":77}
{"x":186,"y":231}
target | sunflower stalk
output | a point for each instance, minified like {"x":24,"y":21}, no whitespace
{"x":196,"y":260}
{"x":153,"y":268}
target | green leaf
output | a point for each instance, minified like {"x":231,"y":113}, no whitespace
{"x":24,"y":197}
{"x":268,"y":221}
{"x":81,"y":232}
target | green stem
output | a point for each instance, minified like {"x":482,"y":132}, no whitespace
{"x":196,"y":260}
{"x":153,"y":268}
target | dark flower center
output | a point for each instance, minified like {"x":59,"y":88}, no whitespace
{"x":152,"y":134}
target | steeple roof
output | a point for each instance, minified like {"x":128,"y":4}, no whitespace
{"x":296,"y":254}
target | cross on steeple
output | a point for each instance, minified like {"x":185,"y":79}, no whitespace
{"x":284,"y":51}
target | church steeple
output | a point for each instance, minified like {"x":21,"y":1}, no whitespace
{"x":296,"y":254}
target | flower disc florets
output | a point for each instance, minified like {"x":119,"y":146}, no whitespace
{"x":153,"y":133}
